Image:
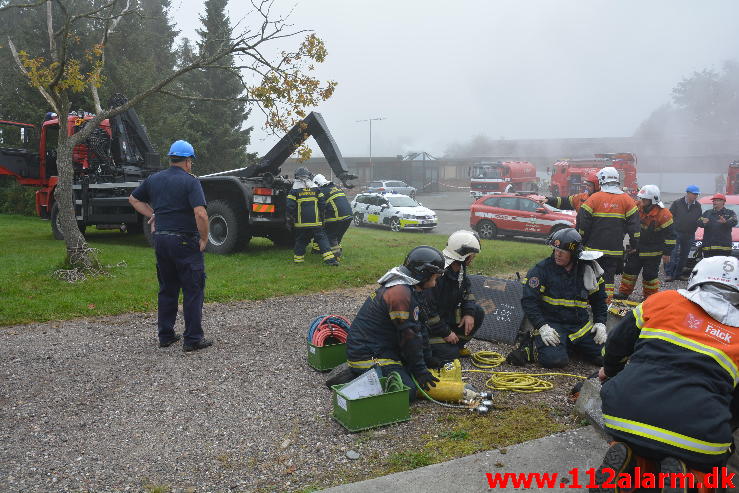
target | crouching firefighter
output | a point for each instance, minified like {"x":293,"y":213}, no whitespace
{"x":388,"y":329}
{"x":305,"y":205}
{"x":453,"y":314}
{"x":670,"y":408}
{"x":338,"y":213}
{"x":656,"y":241}
{"x":556,"y":295}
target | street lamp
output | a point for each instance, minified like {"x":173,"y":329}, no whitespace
{"x":370,"y":120}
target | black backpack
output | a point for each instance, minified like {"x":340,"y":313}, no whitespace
{"x":525,"y":351}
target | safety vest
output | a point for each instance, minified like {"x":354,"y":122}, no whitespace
{"x":338,"y":207}
{"x":604,"y":219}
{"x":656,"y":236}
{"x":674,"y":394}
{"x":305,"y":205}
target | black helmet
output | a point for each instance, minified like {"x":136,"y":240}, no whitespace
{"x":567,"y":239}
{"x":302,"y":173}
{"x":422,"y":262}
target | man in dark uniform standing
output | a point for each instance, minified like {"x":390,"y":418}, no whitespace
{"x":717,"y":224}
{"x":180,"y":236}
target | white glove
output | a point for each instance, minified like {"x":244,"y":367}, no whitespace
{"x":548,"y":335}
{"x":600,"y":333}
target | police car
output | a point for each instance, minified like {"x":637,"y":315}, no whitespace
{"x":393,"y":210}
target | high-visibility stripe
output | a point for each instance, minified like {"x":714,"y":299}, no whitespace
{"x":605,"y":252}
{"x":597,"y":286}
{"x":610,"y":214}
{"x":717,"y":247}
{"x":639,"y":316}
{"x":632,"y":211}
{"x":670,"y":242}
{"x":399,"y":315}
{"x":587,"y":208}
{"x":564,"y":302}
{"x":263,"y":207}
{"x":586,"y":328}
{"x":437,"y":340}
{"x":650,"y":254}
{"x":369,"y":363}
{"x":334,"y":219}
{"x":672,"y":337}
{"x":665,"y":436}
{"x":664,"y":225}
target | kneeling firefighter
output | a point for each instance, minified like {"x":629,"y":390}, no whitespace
{"x":388,"y":329}
{"x":670,"y":408}
{"x":556,"y":295}
{"x":453,"y":314}
{"x":305,"y":205}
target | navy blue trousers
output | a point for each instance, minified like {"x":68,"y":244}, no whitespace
{"x":335,"y":231}
{"x":559,"y":355}
{"x":679,"y":258}
{"x":446,"y":351}
{"x":180,"y":266}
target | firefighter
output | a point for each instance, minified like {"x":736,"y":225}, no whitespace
{"x":717,"y":224}
{"x":338,"y":213}
{"x":453,"y":315}
{"x":656,"y":241}
{"x":604,"y":219}
{"x":174,"y":202}
{"x":672,"y":402}
{"x":573,"y":202}
{"x":557,"y":293}
{"x":388,"y":329}
{"x":305,"y":205}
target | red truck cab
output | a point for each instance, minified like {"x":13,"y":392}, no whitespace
{"x":568,"y":175}
{"x":495,"y":176}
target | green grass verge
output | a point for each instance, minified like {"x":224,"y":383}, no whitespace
{"x":31,"y":255}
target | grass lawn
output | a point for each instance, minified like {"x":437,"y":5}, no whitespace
{"x":30,"y":256}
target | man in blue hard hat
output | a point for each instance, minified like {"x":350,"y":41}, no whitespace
{"x":685,"y":214}
{"x":174,"y":202}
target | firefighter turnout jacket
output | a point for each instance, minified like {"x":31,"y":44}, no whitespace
{"x":572,"y":202}
{"x":604,"y":219}
{"x":338,"y":207}
{"x":674,"y":395}
{"x":554,"y":296}
{"x":717,"y":235}
{"x":306,"y":206}
{"x":447,"y":302}
{"x":387,"y":330}
{"x":656,"y":236}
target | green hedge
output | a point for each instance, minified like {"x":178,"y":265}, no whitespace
{"x":16,"y":199}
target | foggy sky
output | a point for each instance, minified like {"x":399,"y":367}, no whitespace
{"x":443,"y":72}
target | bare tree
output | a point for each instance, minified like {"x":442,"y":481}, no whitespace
{"x":280,"y":86}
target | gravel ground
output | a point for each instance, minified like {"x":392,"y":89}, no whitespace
{"x":94,"y":404}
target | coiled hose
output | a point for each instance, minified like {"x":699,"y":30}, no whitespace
{"x":330,"y":329}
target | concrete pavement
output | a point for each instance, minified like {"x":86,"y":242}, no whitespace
{"x":582,"y":448}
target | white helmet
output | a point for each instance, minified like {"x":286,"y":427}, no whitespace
{"x":609,"y":174}
{"x":461,"y":244}
{"x":716,"y":270}
{"x":320,"y":180}
{"x":650,"y":192}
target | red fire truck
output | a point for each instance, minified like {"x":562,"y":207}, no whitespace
{"x":568,"y":175}
{"x":494,"y":176}
{"x":732,"y":180}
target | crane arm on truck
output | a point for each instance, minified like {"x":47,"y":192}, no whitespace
{"x":312,"y":125}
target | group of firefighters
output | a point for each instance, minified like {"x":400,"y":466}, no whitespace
{"x":681,"y":346}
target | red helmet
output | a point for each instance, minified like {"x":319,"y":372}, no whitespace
{"x":592,"y":178}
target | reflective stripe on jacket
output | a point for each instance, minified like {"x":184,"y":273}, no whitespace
{"x":604,"y":219}
{"x":306,"y":206}
{"x":656,"y":237}
{"x":338,"y":207}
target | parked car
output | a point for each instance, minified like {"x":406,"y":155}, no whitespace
{"x":391,"y":186}
{"x":517,"y":215}
{"x":732,"y":202}
{"x":392,"y":210}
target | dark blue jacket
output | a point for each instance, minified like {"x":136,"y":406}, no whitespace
{"x":553,"y":296}
{"x":716,"y":235}
{"x":337,"y":207}
{"x":306,"y":206}
{"x":445,"y":299}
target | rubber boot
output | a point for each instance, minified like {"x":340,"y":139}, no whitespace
{"x":671,"y":465}
{"x":620,"y":458}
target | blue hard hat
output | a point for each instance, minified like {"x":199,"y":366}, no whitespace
{"x":693,"y":189}
{"x":181,"y":148}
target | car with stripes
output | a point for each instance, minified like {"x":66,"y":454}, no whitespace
{"x":517,"y":214}
{"x":393,"y":210}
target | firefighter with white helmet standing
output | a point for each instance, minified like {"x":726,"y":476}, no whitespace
{"x":305,"y":205}
{"x":603,"y":221}
{"x":656,"y":241}
{"x":453,"y":314}
{"x":338,"y":213}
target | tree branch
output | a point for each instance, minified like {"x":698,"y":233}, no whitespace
{"x":50,"y":29}
{"x":185,"y":97}
{"x":43,"y":91}
{"x":23,"y":5}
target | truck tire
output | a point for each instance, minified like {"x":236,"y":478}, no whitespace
{"x":56,"y":229}
{"x":487,"y":229}
{"x":228,"y":231}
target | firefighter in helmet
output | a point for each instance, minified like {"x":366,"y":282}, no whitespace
{"x":603,"y":221}
{"x":656,"y":241}
{"x":573,"y":202}
{"x":338,"y":213}
{"x":305,"y":206}
{"x":557,"y":293}
{"x":453,"y":314}
{"x":670,"y":373}
{"x":388,"y":330}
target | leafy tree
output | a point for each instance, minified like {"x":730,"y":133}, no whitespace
{"x":73,"y":68}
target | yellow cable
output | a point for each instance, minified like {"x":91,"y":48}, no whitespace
{"x":509,"y":380}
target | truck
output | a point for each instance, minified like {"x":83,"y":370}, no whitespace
{"x":118,"y":156}
{"x":568,"y":175}
{"x":732,"y":179}
{"x":494,"y":176}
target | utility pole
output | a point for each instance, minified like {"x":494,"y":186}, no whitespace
{"x":370,"y":120}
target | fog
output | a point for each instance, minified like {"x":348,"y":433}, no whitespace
{"x":443,"y":73}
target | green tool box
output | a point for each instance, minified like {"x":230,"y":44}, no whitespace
{"x":371,"y":412}
{"x":324,"y":358}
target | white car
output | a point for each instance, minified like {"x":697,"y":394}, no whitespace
{"x":393,"y":210}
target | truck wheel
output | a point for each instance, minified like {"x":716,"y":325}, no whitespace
{"x":56,"y":228}
{"x":487,"y":229}
{"x":228,"y":231}
{"x":395,"y":224}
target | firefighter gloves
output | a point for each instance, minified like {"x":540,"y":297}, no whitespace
{"x":548,"y":335}
{"x":599,"y":331}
